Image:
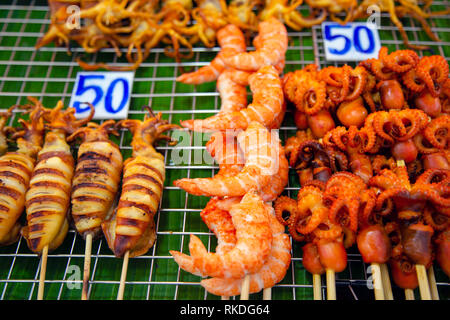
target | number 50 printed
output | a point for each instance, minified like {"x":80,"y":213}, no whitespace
{"x":354,"y":41}
{"x":109,"y":92}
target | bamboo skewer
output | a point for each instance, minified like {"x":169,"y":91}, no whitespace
{"x":377,"y":281}
{"x":317,"y":287}
{"x":87,"y":266}
{"x":386,"y":282}
{"x":331,"y":285}
{"x":433,"y":286}
{"x":123,"y":275}
{"x":409,"y":294}
{"x":42,"y":271}
{"x":267,"y":294}
{"x":245,"y":288}
{"x":424,"y":287}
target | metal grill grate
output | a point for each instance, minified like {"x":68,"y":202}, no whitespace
{"x":49,"y":74}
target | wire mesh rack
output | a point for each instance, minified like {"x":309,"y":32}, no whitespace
{"x":49,"y":75}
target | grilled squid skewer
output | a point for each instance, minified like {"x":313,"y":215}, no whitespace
{"x":48,"y":196}
{"x":15,"y":172}
{"x":95,"y":183}
{"x":131,"y":230}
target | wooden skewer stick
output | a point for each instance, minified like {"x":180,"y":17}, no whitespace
{"x":386,"y":282}
{"x":42,"y":271}
{"x":317,"y":287}
{"x":409,"y":294}
{"x":123,"y":275}
{"x":225,"y":297}
{"x":377,"y":281}
{"x":245,"y":288}
{"x":87,"y":266}
{"x":433,"y":286}
{"x":331,"y":285}
{"x":267,"y":294}
{"x":424,"y":287}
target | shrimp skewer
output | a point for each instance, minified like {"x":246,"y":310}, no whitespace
{"x":273,"y":42}
{"x":231,"y":41}
{"x":272,"y":272}
{"x":95,"y":183}
{"x":266,"y":108}
{"x":218,"y":221}
{"x":15,"y":173}
{"x":261,"y":150}
{"x":253,"y":242}
{"x":48,"y":196}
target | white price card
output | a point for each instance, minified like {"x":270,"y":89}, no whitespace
{"x":108,"y":92}
{"x":355,"y":41}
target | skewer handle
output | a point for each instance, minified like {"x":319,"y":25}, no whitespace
{"x":409,"y":294}
{"x":377,"y":281}
{"x":317,"y":287}
{"x":331,"y":285}
{"x":433,"y":286}
{"x":424,"y":287}
{"x":245,"y":288}
{"x":123,"y":276}
{"x":87,"y":266}
{"x":44,"y":256}
{"x":267,"y":294}
{"x":386,"y":282}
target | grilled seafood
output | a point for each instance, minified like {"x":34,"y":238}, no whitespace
{"x":272,"y":272}
{"x":15,"y":172}
{"x":210,"y":16}
{"x":48,"y":197}
{"x":287,"y":12}
{"x":4,"y":116}
{"x":220,"y":223}
{"x":131,"y":227}
{"x":272,"y":42}
{"x":261,"y":151}
{"x":97,"y":176}
{"x":266,"y":107}
{"x":253,"y":242}
{"x":231,"y":41}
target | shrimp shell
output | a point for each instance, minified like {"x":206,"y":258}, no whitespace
{"x":272,"y":272}
{"x":253,"y":242}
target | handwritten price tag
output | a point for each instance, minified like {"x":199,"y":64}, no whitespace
{"x":354,"y":41}
{"x":109,"y":92}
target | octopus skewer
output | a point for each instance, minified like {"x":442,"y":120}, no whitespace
{"x":421,"y":271}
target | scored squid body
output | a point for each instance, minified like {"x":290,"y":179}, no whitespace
{"x":97,"y":177}
{"x":15,"y":172}
{"x":48,"y":197}
{"x":131,"y":226}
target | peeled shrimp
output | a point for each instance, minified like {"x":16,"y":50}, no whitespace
{"x":261,"y":149}
{"x":253,"y":242}
{"x":218,"y":221}
{"x":231,"y":41}
{"x":266,"y":108}
{"x":272,"y":272}
{"x":272,"y":42}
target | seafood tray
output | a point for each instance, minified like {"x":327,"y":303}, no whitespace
{"x":49,"y":75}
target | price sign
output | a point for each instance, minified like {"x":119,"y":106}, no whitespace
{"x":354,"y":41}
{"x":109,"y":92}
